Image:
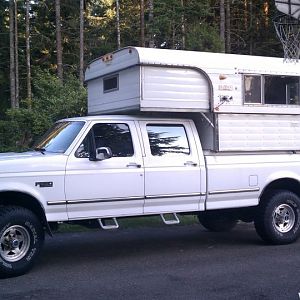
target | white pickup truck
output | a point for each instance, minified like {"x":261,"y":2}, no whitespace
{"x":96,"y":169}
{"x":224,"y":145}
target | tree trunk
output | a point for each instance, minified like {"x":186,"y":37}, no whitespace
{"x":81,"y":51}
{"x":251,"y":27}
{"x":151,"y":17}
{"x":118,"y":24}
{"x":142,"y":22}
{"x":16,"y":55}
{"x":245,"y":15}
{"x":222,"y":24}
{"x":12,"y":74}
{"x":58,"y":40}
{"x":228,"y":27}
{"x":266,"y":13}
{"x":183,"y":25}
{"x":28,"y":65}
{"x":173,"y":30}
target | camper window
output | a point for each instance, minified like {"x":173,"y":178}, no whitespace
{"x":271,"y":89}
{"x":281,"y":89}
{"x":252,"y":89}
{"x":111,"y":83}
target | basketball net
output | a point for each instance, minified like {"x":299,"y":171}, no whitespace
{"x":288,"y":31}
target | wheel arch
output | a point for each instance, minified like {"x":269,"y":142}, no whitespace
{"x":288,"y":184}
{"x":26,"y":201}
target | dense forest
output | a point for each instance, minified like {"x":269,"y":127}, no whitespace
{"x":46,"y":44}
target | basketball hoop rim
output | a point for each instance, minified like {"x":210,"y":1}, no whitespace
{"x":285,"y":19}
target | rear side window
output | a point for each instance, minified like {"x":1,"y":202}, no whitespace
{"x":167,"y":139}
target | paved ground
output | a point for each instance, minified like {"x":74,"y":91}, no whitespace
{"x":178,"y":262}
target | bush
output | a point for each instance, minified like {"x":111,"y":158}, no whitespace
{"x":52,"y":100}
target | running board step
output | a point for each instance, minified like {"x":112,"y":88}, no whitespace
{"x":170,"y":219}
{"x":108,"y":223}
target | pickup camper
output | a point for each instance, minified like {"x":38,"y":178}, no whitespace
{"x":168,"y":133}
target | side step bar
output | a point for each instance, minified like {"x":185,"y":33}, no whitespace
{"x":112,"y":223}
{"x":108,"y":223}
{"x":170,"y":219}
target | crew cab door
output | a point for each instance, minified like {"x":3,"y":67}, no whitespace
{"x":110,"y":187}
{"x":172,"y":167}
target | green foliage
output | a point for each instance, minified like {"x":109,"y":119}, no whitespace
{"x":173,"y":17}
{"x":8,"y":135}
{"x":16,"y":130}
{"x":252,"y":29}
{"x":52,"y":100}
{"x":203,"y":37}
{"x":55,"y":100}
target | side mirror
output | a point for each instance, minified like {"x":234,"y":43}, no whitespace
{"x":103,"y":153}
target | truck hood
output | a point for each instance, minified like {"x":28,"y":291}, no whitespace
{"x":14,"y":155}
{"x":31,"y":161}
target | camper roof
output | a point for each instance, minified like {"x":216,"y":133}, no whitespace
{"x":232,"y":63}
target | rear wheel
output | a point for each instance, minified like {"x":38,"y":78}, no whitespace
{"x":21,"y":239}
{"x":219,"y":221}
{"x":278,"y":217}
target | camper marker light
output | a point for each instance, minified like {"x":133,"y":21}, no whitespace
{"x":107,"y":58}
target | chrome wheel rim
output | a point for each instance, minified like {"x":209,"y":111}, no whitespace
{"x":14,"y":243}
{"x":284,"y":218}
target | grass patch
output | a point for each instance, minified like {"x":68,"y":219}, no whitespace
{"x":153,"y":221}
{"x":133,"y":222}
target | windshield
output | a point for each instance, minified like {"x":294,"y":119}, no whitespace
{"x":59,"y":137}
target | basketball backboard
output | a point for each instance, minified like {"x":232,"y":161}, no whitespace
{"x":289,"y":7}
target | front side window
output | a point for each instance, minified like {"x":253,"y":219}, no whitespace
{"x":167,"y":140}
{"x":115,"y":136}
{"x":252,"y":89}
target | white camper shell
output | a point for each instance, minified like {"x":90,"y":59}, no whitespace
{"x":238,"y":102}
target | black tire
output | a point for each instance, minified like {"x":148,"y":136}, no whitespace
{"x":21,"y":240}
{"x":278,"y":217}
{"x":217,"y":221}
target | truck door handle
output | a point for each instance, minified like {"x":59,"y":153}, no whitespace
{"x":133,"y":165}
{"x":190,"y":163}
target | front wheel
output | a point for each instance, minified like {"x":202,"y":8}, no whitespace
{"x":278,"y":217}
{"x":21,"y":239}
